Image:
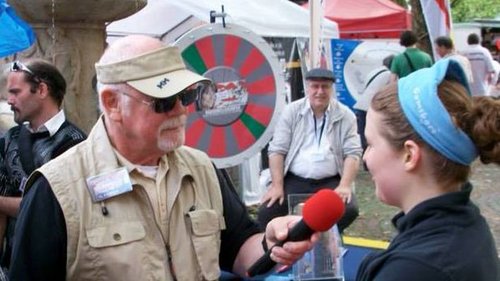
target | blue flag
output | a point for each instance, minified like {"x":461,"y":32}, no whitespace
{"x":15,"y":34}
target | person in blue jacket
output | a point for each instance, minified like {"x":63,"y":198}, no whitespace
{"x":423,"y":134}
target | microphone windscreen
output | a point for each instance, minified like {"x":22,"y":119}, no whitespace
{"x":322,"y":210}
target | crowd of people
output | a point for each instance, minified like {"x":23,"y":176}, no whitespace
{"x":131,"y":202}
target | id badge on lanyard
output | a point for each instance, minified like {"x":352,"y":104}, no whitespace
{"x":317,"y":155}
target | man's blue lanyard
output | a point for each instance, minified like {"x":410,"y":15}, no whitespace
{"x":321,"y":130}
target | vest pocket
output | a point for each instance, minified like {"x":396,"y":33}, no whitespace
{"x":115,"y":234}
{"x":206,"y":227}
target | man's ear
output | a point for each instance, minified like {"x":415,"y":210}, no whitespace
{"x":412,"y":155}
{"x":42,"y":90}
{"x":111,"y":104}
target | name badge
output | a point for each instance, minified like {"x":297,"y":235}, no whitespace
{"x":317,"y":156}
{"x":110,"y":184}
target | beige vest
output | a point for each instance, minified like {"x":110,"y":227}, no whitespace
{"x":142,"y":238}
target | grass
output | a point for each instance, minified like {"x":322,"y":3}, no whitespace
{"x":374,"y":220}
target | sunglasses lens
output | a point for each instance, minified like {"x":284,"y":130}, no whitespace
{"x":17,"y":66}
{"x":189,"y":96}
{"x":196,"y":91}
{"x":164,"y":105}
{"x":14,"y":67}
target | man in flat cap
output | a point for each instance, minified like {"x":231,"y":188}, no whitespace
{"x":133,"y":203}
{"x":315,"y":145}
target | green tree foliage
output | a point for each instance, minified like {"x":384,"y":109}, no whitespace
{"x":402,"y":3}
{"x":468,"y":10}
{"x":461,"y":10}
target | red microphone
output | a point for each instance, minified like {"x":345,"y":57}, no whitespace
{"x":320,"y":212}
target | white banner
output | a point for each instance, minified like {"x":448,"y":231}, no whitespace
{"x":316,"y":36}
{"x":437,"y":14}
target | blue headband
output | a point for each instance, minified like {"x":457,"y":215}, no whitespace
{"x":427,"y":115}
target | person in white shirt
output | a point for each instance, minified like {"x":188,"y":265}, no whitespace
{"x":315,"y":145}
{"x":376,"y":79}
{"x":446,"y":49}
{"x":482,"y":65}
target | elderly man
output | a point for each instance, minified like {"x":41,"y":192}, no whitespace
{"x":35,"y":92}
{"x":315,"y":145}
{"x":132,"y":203}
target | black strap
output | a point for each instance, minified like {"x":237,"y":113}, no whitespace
{"x":26,"y":148}
{"x":409,"y":61}
{"x":374,"y":76}
{"x":322,"y":128}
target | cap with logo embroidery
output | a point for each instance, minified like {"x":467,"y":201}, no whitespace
{"x":160,"y":73}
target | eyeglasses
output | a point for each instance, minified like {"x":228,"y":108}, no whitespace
{"x":187,"y":97}
{"x":18,"y":66}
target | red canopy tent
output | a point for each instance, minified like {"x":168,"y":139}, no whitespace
{"x":367,"y":18}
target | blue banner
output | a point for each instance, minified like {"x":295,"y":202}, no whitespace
{"x":341,"y":51}
{"x":15,"y":34}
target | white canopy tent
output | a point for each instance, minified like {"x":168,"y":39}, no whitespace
{"x":168,"y":19}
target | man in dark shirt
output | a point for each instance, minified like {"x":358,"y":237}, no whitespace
{"x":133,"y":203}
{"x":35,"y":94}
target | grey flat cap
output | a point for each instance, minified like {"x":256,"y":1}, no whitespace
{"x":320,"y":74}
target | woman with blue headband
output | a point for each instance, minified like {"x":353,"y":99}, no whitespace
{"x":423,"y":134}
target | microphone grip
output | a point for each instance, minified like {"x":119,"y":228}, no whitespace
{"x":299,"y":232}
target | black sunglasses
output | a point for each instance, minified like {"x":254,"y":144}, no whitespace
{"x":18,"y":66}
{"x":187,"y":97}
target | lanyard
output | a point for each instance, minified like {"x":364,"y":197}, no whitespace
{"x":321,"y":130}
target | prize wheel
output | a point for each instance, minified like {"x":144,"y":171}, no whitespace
{"x":235,"y":119}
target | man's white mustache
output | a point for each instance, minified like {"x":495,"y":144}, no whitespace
{"x":174,"y":122}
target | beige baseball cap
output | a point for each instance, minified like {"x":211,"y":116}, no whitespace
{"x":160,"y":73}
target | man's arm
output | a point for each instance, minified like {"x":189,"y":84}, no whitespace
{"x":352,"y":152}
{"x":276,"y":190}
{"x":39,"y":251}
{"x":278,"y":149}
{"x":351,"y":167}
{"x":249,"y":253}
{"x":276,"y":230}
{"x":241,"y":241}
{"x":394,"y":77}
{"x":491,"y":78}
{"x":10,"y":205}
